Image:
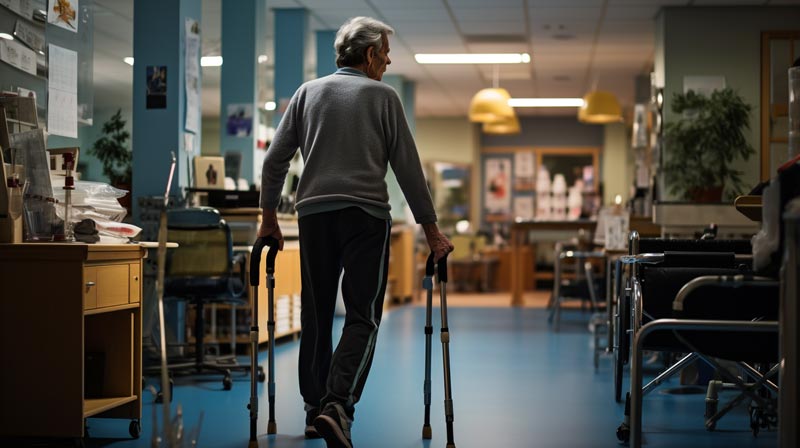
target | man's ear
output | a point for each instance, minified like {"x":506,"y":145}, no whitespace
{"x":370,"y":54}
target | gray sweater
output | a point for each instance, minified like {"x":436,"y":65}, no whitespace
{"x":348,"y":128}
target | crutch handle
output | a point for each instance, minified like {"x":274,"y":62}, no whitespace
{"x":255,"y":257}
{"x":442,"y":267}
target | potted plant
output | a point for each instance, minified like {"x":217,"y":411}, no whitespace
{"x":112,"y":151}
{"x":704,"y":142}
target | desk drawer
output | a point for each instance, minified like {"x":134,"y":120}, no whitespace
{"x":111,"y":284}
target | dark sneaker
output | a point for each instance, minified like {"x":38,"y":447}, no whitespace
{"x":334,"y":426}
{"x":311,"y":431}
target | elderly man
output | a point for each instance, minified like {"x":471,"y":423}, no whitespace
{"x":349,"y":128}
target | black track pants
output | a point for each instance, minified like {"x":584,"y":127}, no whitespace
{"x":357,"y":242}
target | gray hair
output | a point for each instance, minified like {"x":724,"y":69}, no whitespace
{"x":355,"y":36}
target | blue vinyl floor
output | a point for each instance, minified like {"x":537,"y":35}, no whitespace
{"x":515,"y":382}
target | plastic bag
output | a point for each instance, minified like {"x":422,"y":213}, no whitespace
{"x":90,"y":200}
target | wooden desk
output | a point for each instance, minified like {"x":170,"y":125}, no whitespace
{"x":519,"y":231}
{"x":58,"y":303}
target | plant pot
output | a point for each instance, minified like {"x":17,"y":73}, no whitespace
{"x":705,"y":195}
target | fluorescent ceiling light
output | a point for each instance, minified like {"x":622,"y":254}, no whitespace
{"x":262,"y":58}
{"x":270,"y":105}
{"x":205,"y":61}
{"x":211,"y":61}
{"x":545,"y":102}
{"x":6,"y":36}
{"x":473,"y":58}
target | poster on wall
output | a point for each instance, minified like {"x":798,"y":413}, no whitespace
{"x":524,"y":170}
{"x":240,"y":120}
{"x":63,"y":13}
{"x":156,"y":87}
{"x":497,"y":191}
{"x":192,"y":75}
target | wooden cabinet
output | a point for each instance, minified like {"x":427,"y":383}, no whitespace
{"x":402,"y":263}
{"x":70,"y":332}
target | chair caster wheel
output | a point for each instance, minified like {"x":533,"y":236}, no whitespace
{"x":135,"y":429}
{"x":227,"y":382}
{"x":623,"y":433}
{"x":261,"y":376}
{"x":160,"y":394}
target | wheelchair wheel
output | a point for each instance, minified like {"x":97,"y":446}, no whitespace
{"x":622,"y":351}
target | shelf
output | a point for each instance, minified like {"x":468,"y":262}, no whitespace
{"x":94,"y":406}
{"x":108,"y":309}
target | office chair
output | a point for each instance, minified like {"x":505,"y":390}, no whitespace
{"x":200,"y":271}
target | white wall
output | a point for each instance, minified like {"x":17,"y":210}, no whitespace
{"x":617,"y":163}
{"x":446,"y":139}
{"x":209,"y":145}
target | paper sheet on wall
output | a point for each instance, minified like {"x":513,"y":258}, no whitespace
{"x":18,"y":55}
{"x":192,"y":80}
{"x":30,"y":35}
{"x":24,"y":8}
{"x":62,"y":92}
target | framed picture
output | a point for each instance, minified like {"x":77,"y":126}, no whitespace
{"x":209,"y":172}
{"x":497,"y":186}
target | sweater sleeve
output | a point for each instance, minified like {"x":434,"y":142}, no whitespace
{"x":280,"y":153}
{"x":404,"y":159}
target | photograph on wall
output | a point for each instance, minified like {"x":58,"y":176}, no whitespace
{"x":524,"y":208}
{"x":156,"y":87}
{"x":64,"y":14}
{"x":497,"y":191}
{"x":524,"y":171}
{"x":240,"y":120}
{"x":209,"y":172}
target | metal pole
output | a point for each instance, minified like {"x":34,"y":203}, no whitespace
{"x":427,"y":284}
{"x":789,"y":396}
{"x":445,"y":336}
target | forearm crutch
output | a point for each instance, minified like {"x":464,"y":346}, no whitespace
{"x":255,"y":275}
{"x":445,"y":338}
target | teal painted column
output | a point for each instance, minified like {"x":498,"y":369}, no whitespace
{"x":291,"y":29}
{"x":159,"y":33}
{"x":410,"y":103}
{"x":405,"y":90}
{"x":242,"y":23}
{"x":326,"y":54}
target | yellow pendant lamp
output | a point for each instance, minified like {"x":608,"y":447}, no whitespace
{"x":600,"y":107}
{"x":490,"y":106}
{"x":506,"y":127}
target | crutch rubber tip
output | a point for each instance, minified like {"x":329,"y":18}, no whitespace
{"x":427,"y":434}
{"x":272,"y":428}
{"x":451,"y":445}
{"x":253,"y":444}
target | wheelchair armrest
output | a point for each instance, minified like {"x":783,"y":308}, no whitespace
{"x":719,"y":280}
{"x":581,"y":254}
{"x":649,"y":258}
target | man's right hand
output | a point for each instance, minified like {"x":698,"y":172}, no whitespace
{"x":439,"y":244}
{"x":270,"y":227}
